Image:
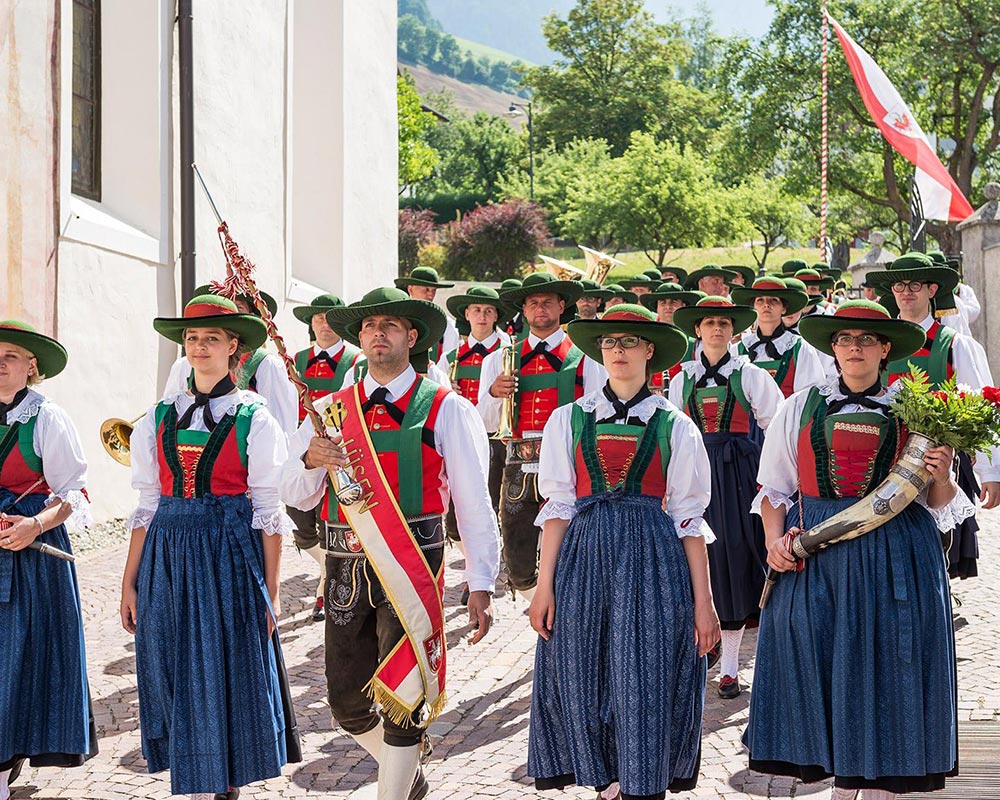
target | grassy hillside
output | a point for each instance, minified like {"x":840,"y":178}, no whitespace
{"x":492,"y":53}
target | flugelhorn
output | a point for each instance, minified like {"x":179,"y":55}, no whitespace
{"x":116,"y":435}
{"x":505,"y":430}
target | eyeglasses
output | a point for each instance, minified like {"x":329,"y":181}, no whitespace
{"x":908,"y":286}
{"x":611,"y":342}
{"x":861,"y":340}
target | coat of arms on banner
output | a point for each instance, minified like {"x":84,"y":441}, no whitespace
{"x":434,"y":647}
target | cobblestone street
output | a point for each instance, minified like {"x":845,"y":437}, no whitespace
{"x":480,"y":743}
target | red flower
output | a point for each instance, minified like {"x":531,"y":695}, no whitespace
{"x":992,"y":395}
{"x":942,"y":396}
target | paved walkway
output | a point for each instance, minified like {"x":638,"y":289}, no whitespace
{"x":481,"y":741}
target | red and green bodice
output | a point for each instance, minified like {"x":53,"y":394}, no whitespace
{"x":781,"y":369}
{"x":845,"y":455}
{"x":470,"y":368}
{"x":198,"y":463}
{"x":934,"y":357}
{"x":542,"y":388}
{"x":20,"y":465}
{"x":630,"y":458}
{"x":718,"y":409}
{"x":319,"y":377}
{"x":403,"y":438}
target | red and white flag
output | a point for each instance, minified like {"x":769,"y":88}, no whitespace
{"x":941,"y":197}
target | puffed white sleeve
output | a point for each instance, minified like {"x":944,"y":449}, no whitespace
{"x":594,"y":375}
{"x":810,"y":370}
{"x":556,"y":470}
{"x":689,"y":479}
{"x":267,"y":450}
{"x":274,"y":386}
{"x":967,"y":297}
{"x":301,"y":487}
{"x":778,"y":475}
{"x":763,"y":394}
{"x":489,"y":406}
{"x":461,"y":439}
{"x":450,"y":339}
{"x":145,"y":470}
{"x":675,"y":394}
{"x":63,"y":464}
{"x":177,"y":379}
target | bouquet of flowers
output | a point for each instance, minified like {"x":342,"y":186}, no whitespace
{"x":967,"y":421}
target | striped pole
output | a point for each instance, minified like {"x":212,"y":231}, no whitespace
{"x":824,"y":139}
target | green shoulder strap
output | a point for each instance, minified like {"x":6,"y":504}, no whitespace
{"x":246,"y":371}
{"x":344,"y":365}
{"x":937,"y":366}
{"x":244,"y":416}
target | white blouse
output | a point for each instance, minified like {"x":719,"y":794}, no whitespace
{"x":778,"y":475}
{"x":266,"y":452}
{"x":809,"y":368}
{"x":56,"y":442}
{"x":689,"y":477}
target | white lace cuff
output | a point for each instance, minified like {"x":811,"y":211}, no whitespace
{"x":696,"y":526}
{"x":777,"y":499}
{"x":554,"y":509}
{"x":140,"y":518}
{"x":80,"y":503}
{"x":948,"y":516}
{"x":277,"y":523}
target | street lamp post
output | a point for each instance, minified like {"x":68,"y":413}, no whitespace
{"x":531,"y":146}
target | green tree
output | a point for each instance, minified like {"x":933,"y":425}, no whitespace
{"x":416,"y":157}
{"x":771,"y":215}
{"x":411,"y":39}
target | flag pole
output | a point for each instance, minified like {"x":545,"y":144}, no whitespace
{"x":824,"y":137}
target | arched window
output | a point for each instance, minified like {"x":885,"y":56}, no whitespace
{"x":87,"y":98}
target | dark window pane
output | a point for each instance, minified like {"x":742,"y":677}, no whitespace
{"x":86,"y":166}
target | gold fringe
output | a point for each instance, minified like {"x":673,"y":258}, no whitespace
{"x":396,"y":712}
{"x":944,"y":312}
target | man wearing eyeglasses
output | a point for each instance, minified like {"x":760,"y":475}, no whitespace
{"x":921,"y":291}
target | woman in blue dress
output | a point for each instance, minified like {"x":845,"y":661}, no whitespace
{"x":200,"y":590}
{"x":45,"y":710}
{"x":855,"y":670}
{"x":624,"y":605}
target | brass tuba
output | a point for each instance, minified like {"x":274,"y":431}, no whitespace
{"x":115,"y":436}
{"x":505,"y":430}
{"x":562,"y":270}
{"x":599,"y":264}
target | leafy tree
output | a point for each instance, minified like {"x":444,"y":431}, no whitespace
{"x":493,"y":241}
{"x":419,"y":10}
{"x":411,"y":39}
{"x":416,"y":157}
{"x":416,"y":230}
{"x":771,"y":214}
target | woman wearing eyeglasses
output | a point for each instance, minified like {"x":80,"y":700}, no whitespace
{"x":723,"y":392}
{"x":623,"y":606}
{"x":855,"y":669}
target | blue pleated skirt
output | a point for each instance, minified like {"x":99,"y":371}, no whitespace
{"x":210,"y":706}
{"x":738,"y":557}
{"x":855,"y":669}
{"x":45,"y":710}
{"x":619,"y":688}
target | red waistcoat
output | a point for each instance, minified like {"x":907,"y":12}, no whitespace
{"x":535,"y":405}
{"x":184,"y":469}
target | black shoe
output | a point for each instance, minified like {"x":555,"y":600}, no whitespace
{"x":15,"y":771}
{"x":465,"y":596}
{"x":232,"y":794}
{"x":729,"y":687}
{"x":714,"y":655}
{"x":420,"y":787}
{"x":318,"y":614}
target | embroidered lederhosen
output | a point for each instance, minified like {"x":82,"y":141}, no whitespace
{"x":781,"y":369}
{"x":20,"y":466}
{"x":934,"y":357}
{"x":319,"y":378}
{"x":718,"y":409}
{"x":469,"y":369}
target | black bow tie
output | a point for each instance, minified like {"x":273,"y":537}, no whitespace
{"x":857,"y":398}
{"x":542,"y":349}
{"x":767,"y":342}
{"x":379,"y":398}
{"x":323,"y":356}
{"x":14,"y":403}
{"x":622,"y":409}
{"x":478,"y":349}
{"x":222,"y":388}
{"x":712,"y":372}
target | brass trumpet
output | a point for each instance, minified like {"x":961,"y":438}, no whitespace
{"x":505,"y":430}
{"x":116,"y":435}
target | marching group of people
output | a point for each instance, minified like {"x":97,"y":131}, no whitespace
{"x":637,"y":454}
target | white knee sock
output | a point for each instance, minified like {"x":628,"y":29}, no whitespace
{"x":4,"y":791}
{"x":611,"y":792}
{"x":729,"y":663}
{"x":878,"y":794}
{"x":527,"y":594}
{"x":371,"y":741}
{"x":397,"y":770}
{"x":319,"y":554}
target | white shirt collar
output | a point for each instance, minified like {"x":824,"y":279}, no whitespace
{"x":696,"y":369}
{"x":488,"y":342}
{"x":26,"y":409}
{"x":596,"y":401}
{"x":397,"y":387}
{"x":330,"y":351}
{"x":926,"y":322}
{"x":552,"y":340}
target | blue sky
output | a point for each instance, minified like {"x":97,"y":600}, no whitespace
{"x":731,"y":16}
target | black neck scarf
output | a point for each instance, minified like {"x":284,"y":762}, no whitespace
{"x":767,"y":342}
{"x":542,"y":349}
{"x":323,"y":356}
{"x":622,"y":409}
{"x":863,"y":398}
{"x":221,"y":389}
{"x":712,"y":372}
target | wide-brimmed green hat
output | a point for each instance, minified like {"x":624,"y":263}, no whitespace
{"x":793,"y":265}
{"x":825,"y":269}
{"x":680,"y":272}
{"x":422,"y":276}
{"x":319,"y":305}
{"x":457,"y":304}
{"x":749,"y":273}
{"x":863,"y":315}
{"x":510,"y":283}
{"x":388,"y":301}
{"x":669,"y":291}
{"x":594,"y":289}
{"x":669,"y":344}
{"x":812,"y":278}
{"x":617,"y":290}
{"x":50,"y":356}
{"x":771,"y":286}
{"x":653,"y":275}
{"x":713,"y":306}
{"x":213,"y":311}
{"x":270,"y":302}
{"x":914,"y":267}
{"x":640,"y":279}
{"x":543,"y":283}
{"x":705,"y":272}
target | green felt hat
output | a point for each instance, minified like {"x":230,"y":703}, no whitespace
{"x":617,"y":290}
{"x":771,"y":286}
{"x":825,"y":269}
{"x":864,"y":315}
{"x":511,"y":283}
{"x":50,"y":356}
{"x":680,"y":272}
{"x":669,"y":291}
{"x":594,"y":289}
{"x":711,"y":306}
{"x":213,"y":311}
{"x":270,"y":302}
{"x":813,"y":277}
{"x":653,"y":275}
{"x":426,"y":317}
{"x":319,"y":305}
{"x":914,"y":267}
{"x":749,"y":273}
{"x":641,"y":279}
{"x":422,"y":276}
{"x":543,"y":283}
{"x":793,"y":265}
{"x":457,"y":304}
{"x":707,"y":271}
{"x":795,"y":283}
{"x":669,"y":344}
